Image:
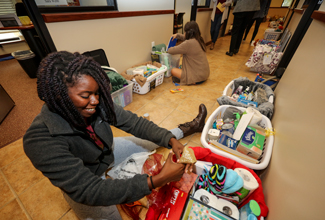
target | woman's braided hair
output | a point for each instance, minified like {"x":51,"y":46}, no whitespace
{"x":60,"y":70}
{"x":192,"y":30}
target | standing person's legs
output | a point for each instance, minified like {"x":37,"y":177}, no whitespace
{"x":249,"y":25}
{"x":246,"y":17}
{"x":215,"y":27}
{"x":257,"y":26}
{"x":235,"y":31}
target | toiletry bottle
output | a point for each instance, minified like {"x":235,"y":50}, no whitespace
{"x":239,"y":90}
{"x":246,"y":92}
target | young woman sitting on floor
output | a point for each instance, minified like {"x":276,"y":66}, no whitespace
{"x":195,"y":67}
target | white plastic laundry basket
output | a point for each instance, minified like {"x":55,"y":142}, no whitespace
{"x":268,"y":144}
{"x":272,"y":35}
{"x":152,"y":81}
{"x":231,"y":87}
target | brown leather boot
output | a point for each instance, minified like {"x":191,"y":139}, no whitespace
{"x":197,"y":124}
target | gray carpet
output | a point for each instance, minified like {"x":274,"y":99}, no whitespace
{"x":23,"y":91}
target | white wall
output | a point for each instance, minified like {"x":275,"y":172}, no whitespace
{"x":293,"y":183}
{"x":126,"y":41}
{"x":184,"y":6}
{"x":203,"y":18}
{"x":145,"y":5}
{"x":322,"y":7}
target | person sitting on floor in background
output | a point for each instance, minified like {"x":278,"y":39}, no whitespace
{"x":217,"y":19}
{"x":72,"y":144}
{"x":195,"y":67}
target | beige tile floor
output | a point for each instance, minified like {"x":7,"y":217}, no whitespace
{"x":26,"y":194}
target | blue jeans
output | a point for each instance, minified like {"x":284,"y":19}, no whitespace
{"x":215,"y":27}
{"x":123,"y":147}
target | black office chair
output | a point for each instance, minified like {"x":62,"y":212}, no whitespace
{"x":98,"y":55}
{"x":179,"y":22}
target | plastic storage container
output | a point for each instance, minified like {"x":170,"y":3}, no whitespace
{"x":268,"y":144}
{"x":166,"y":59}
{"x":266,"y":107}
{"x":28,"y":61}
{"x":152,"y":82}
{"x":123,"y":96}
{"x":270,"y":34}
{"x":231,"y":87}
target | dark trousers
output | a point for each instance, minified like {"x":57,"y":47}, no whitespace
{"x":215,"y":27}
{"x":257,"y":21}
{"x":241,"y":20}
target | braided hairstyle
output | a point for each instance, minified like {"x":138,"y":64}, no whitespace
{"x":192,"y":30}
{"x":60,"y":70}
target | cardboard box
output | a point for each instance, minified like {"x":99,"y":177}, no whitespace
{"x":242,"y":125}
{"x":207,"y":211}
{"x":177,"y":203}
{"x":228,"y":141}
{"x":247,"y":102}
{"x":252,"y":142}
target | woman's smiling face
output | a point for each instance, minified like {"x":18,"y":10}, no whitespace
{"x":84,"y":95}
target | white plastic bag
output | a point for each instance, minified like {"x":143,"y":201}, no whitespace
{"x":130,"y":166}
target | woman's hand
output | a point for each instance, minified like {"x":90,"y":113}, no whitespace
{"x":170,"y":172}
{"x":174,"y":36}
{"x":178,"y":150}
{"x":177,"y":147}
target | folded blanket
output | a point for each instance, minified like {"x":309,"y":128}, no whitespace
{"x":117,"y":81}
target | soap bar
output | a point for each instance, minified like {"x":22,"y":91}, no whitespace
{"x":187,"y":156}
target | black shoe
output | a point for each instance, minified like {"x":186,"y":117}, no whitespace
{"x":197,"y":124}
{"x":229,"y":53}
{"x":236,"y":51}
{"x":176,"y":80}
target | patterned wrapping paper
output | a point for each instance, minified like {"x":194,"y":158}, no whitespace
{"x":255,"y":62}
{"x":199,"y":212}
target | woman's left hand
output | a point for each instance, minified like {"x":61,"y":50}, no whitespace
{"x":177,"y":147}
{"x":178,"y":150}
